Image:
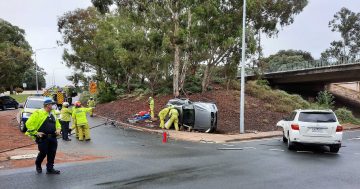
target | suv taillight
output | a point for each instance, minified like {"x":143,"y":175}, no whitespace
{"x":295,"y":127}
{"x":339,"y":128}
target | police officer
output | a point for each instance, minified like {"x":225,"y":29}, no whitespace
{"x":44,"y":127}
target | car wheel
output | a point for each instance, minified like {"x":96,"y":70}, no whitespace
{"x":16,"y":106}
{"x":334,"y":148}
{"x":284,"y":138}
{"x":22,"y":127}
{"x":291,"y":145}
{"x":3,"y":108}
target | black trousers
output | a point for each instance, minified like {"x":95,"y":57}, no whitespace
{"x":65,"y":129}
{"x":47,"y":148}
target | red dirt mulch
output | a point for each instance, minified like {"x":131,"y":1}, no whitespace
{"x":257,"y":118}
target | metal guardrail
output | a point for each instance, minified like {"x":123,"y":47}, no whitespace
{"x":308,"y":65}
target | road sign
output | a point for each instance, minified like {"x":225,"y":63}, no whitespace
{"x":24,"y":85}
{"x":92,"y":87}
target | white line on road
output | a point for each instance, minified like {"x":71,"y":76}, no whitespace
{"x":228,"y":145}
{"x":275,"y":149}
{"x":250,"y":148}
{"x":357,"y":138}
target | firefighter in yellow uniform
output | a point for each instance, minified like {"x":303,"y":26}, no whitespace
{"x":162,"y":115}
{"x":91,"y":104}
{"x":174,"y":118}
{"x":80,"y":120}
{"x":73,"y":126}
{"x":152,"y":107}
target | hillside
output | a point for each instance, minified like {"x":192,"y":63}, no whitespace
{"x":264,"y":107}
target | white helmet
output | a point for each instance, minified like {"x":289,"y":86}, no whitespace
{"x":65,"y":104}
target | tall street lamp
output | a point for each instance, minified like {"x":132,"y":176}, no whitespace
{"x":36,"y":66}
{"x":242,"y":87}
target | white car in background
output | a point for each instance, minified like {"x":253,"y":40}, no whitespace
{"x":317,"y":127}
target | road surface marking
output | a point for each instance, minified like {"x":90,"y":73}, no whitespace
{"x":274,"y":149}
{"x":228,"y":145}
{"x":26,"y":156}
{"x":250,"y":148}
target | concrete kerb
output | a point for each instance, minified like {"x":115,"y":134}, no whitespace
{"x":215,"y":138}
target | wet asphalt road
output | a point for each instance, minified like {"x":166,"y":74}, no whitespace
{"x":140,"y":160}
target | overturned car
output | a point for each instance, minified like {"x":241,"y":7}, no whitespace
{"x":200,"y":116}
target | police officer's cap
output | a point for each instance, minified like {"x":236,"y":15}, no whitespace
{"x":49,"y":101}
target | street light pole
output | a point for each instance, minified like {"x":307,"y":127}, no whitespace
{"x":36,"y":75}
{"x":242,"y":87}
{"x":36,"y":67}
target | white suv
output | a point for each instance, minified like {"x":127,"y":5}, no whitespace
{"x":320,"y":127}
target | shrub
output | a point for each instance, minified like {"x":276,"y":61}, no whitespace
{"x":281,"y":100}
{"x":325,"y":100}
{"x":345,"y":116}
{"x":84,"y":97}
{"x":106,"y":93}
{"x":19,"y":90}
{"x":2,"y":90}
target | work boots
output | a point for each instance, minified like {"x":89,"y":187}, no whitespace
{"x":53,"y":171}
{"x":38,"y":169}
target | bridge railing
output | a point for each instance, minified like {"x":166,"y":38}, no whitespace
{"x":308,"y":65}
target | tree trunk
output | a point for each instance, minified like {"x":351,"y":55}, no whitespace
{"x":176,"y":65}
{"x":228,"y":84}
{"x":205,"y":78}
{"x":186,"y":58}
{"x":11,"y":89}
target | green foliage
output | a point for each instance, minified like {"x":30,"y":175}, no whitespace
{"x":2,"y":90}
{"x":262,"y":82}
{"x":29,"y":78}
{"x":288,"y":59}
{"x":18,"y":90}
{"x":15,"y":54}
{"x":345,"y":116}
{"x":325,"y":100}
{"x":347,"y":23}
{"x":84,"y":97}
{"x":106,"y":93}
{"x":280,"y":100}
{"x":193,"y":84}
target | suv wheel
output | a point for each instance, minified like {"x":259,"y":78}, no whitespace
{"x":3,"y":107}
{"x":335,"y":148}
{"x":284,"y":138}
{"x":22,"y":127}
{"x":16,"y":106}
{"x":291,"y":145}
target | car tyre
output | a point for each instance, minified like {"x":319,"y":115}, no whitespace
{"x":334,"y":148}
{"x":16,"y":106}
{"x":3,"y":107}
{"x":22,"y":127}
{"x":291,"y":145}
{"x":284,"y":138}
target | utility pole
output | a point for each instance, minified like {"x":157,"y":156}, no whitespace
{"x":242,"y":87}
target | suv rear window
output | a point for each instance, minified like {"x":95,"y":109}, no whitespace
{"x":318,"y":117}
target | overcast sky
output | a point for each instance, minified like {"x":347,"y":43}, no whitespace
{"x":309,"y":32}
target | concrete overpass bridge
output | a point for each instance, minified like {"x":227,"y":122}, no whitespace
{"x":312,"y":76}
